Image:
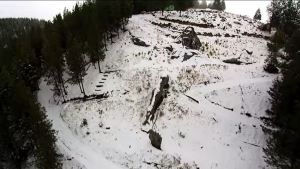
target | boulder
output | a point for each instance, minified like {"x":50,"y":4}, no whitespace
{"x":233,"y":61}
{"x":139,"y":42}
{"x":190,"y":39}
{"x":155,"y":139}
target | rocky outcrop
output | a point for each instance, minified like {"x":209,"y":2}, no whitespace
{"x":190,"y":39}
{"x":157,"y":97}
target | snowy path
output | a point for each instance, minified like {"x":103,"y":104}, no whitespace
{"x":85,"y":155}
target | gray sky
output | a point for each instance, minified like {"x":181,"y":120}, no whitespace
{"x":48,"y":9}
{"x":248,"y":8}
{"x":34,"y":9}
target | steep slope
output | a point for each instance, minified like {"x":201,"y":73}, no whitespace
{"x":210,"y":117}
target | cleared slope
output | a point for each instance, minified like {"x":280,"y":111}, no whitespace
{"x":217,"y":132}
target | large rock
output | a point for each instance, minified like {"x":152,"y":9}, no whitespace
{"x":139,"y":42}
{"x":155,"y":139}
{"x":190,"y":39}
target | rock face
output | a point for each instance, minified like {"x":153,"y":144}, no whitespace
{"x":190,"y":39}
{"x":158,"y":96}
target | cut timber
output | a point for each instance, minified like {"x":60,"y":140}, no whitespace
{"x":156,"y":99}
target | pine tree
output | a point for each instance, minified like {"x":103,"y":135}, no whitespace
{"x":284,"y":15}
{"x":76,"y":63}
{"x":223,"y":5}
{"x":257,"y":15}
{"x":53,"y":54}
{"x":283,"y":149}
{"x":218,"y":5}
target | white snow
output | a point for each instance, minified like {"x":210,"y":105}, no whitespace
{"x":214,"y":133}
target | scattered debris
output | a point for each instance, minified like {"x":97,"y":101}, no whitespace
{"x":83,"y":123}
{"x":187,"y":56}
{"x":181,"y":134}
{"x":170,"y":48}
{"x":174,"y":57}
{"x":239,"y":129}
{"x":248,"y":114}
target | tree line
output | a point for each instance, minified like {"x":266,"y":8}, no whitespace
{"x":25,"y":133}
{"x":283,"y":148}
{"x":58,"y":50}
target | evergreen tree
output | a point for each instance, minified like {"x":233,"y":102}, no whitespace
{"x":53,"y":54}
{"x":76,"y":63}
{"x":218,"y":5}
{"x":284,"y":15}
{"x":257,"y":15}
{"x":223,"y":5}
{"x":283,"y":149}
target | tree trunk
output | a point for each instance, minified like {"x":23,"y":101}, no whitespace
{"x":99,"y":66}
{"x":123,"y":24}
{"x":104,"y":42}
{"x":82,"y":88}
{"x":111,"y":40}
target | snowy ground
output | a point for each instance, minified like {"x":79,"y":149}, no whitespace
{"x":222,"y":131}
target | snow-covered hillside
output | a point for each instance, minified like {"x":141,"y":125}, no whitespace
{"x":210,"y":117}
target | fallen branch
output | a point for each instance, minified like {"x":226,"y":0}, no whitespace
{"x":87,"y":98}
{"x":251,"y":144}
{"x":192,"y":98}
{"x":231,"y":109}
